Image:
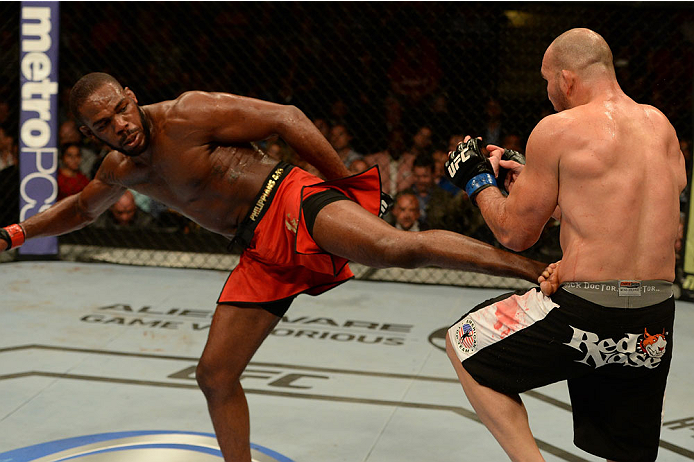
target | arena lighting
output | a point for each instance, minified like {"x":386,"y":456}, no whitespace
{"x":520,"y":18}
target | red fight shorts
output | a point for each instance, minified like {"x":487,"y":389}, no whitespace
{"x":282,"y":259}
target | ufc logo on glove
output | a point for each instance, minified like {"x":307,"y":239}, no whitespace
{"x":460,"y":155}
{"x":469,"y":169}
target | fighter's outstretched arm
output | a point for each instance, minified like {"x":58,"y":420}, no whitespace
{"x":70,"y":214}
{"x":236,"y":119}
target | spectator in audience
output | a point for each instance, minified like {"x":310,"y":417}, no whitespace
{"x":421,"y":141}
{"x":341,"y":140}
{"x":69,"y":134}
{"x":70,"y":179}
{"x":440,"y":157}
{"x":124,"y":214}
{"x":358,"y":166}
{"x":493,"y":130}
{"x":405,"y":213}
{"x":456,"y":213}
{"x":394,"y":164}
{"x":424,"y":187}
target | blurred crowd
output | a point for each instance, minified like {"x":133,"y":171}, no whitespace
{"x":392,"y":85}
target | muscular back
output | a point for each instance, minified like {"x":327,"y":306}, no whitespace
{"x":620,"y":176}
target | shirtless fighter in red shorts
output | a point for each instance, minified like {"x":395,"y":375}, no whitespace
{"x":195,"y":155}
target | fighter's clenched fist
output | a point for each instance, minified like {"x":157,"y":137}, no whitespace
{"x":469,"y":169}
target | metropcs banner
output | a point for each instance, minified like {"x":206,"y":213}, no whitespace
{"x":38,"y":133}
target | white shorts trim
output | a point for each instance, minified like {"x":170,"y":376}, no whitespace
{"x":488,"y":325}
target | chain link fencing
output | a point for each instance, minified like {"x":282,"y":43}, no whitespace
{"x":403,"y":77}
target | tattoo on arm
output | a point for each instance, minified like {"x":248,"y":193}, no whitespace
{"x":218,"y":170}
{"x":233,"y":176}
{"x":229,"y":174}
{"x":109,"y":177}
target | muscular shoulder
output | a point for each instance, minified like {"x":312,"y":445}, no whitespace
{"x":189,"y":105}
{"x":661,"y":126}
{"x":190,"y":116}
{"x":191,"y":100}
{"x":202,"y":102}
{"x":554,"y":131}
{"x":657,"y":118}
{"x":653,"y":112}
{"x":207,"y":110}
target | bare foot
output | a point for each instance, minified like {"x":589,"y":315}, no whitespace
{"x":548,"y":280}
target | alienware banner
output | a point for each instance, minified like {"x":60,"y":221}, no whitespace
{"x":38,"y":133}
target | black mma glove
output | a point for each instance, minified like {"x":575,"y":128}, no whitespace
{"x":469,"y":169}
{"x":386,"y":204}
{"x":508,"y":154}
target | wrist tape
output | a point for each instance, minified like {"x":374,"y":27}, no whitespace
{"x":14,"y":236}
{"x":477,"y":183}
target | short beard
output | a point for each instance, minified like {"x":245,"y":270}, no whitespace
{"x":563,"y":103}
{"x":562,"y":100}
{"x":144,"y":122}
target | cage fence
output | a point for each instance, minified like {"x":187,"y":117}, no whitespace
{"x":385,"y":71}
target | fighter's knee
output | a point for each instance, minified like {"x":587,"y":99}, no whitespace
{"x":213,"y":379}
{"x":204,"y":377}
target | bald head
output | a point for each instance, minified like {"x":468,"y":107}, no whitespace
{"x":124,"y":209}
{"x":582,"y":51}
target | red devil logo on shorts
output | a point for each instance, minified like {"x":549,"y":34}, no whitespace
{"x":654,"y":345}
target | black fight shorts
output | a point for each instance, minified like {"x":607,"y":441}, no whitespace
{"x":611,"y":341}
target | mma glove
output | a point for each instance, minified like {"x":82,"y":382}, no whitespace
{"x":469,"y":169}
{"x":508,"y":154}
{"x":386,"y":204}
